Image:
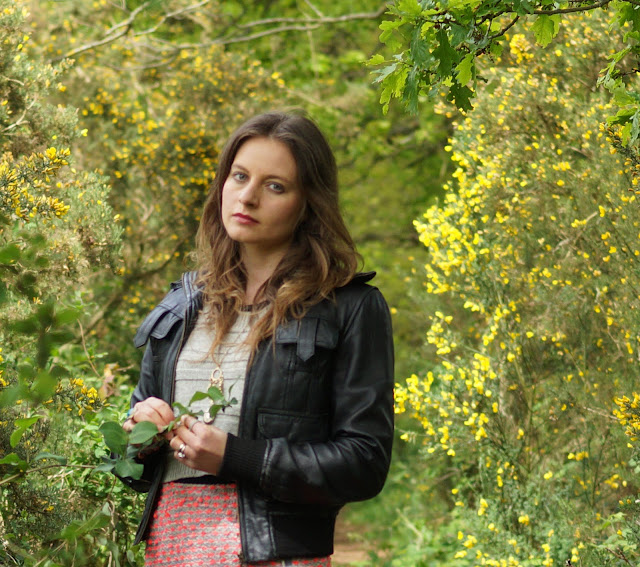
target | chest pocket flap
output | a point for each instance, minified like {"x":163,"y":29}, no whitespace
{"x":157,"y":324}
{"x":308,"y":333}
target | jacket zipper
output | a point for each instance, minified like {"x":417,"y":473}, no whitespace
{"x":187,"y":316}
{"x":241,"y":505}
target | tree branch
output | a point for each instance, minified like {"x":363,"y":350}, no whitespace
{"x":595,"y":6}
{"x":318,"y":20}
{"x":505,"y":29}
{"x":173,"y":14}
{"x":15,"y":476}
{"x":125,"y":25}
{"x":281,"y":25}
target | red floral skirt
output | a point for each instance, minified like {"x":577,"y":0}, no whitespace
{"x":196,"y":525}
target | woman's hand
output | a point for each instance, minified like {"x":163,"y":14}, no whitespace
{"x":154,"y":410}
{"x":199,"y":446}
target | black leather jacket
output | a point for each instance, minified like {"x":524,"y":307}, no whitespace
{"x":316,"y":423}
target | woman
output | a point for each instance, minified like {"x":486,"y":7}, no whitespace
{"x":277,"y":316}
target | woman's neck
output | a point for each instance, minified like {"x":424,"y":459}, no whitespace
{"x":259,"y":268}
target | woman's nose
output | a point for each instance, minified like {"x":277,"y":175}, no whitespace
{"x":249,"y":194}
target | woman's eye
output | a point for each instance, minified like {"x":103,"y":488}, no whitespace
{"x":239,"y":176}
{"x":276,"y":187}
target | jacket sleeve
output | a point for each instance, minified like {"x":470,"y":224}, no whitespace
{"x":158,"y":324}
{"x":353,"y":463}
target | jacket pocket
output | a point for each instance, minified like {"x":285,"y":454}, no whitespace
{"x":292,"y":426}
{"x":157,"y":325}
{"x":302,"y":344}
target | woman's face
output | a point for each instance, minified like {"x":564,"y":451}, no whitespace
{"x":261,"y":201}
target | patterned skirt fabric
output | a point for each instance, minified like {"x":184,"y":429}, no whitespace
{"x":196,"y":525}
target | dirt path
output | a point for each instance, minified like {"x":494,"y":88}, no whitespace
{"x":347,"y":550}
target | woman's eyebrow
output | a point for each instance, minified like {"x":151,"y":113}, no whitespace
{"x":268,"y":176}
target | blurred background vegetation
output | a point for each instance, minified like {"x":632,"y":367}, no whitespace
{"x":506,"y":240}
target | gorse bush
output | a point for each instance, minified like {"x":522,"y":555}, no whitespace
{"x":57,"y":233}
{"x":535,"y":255}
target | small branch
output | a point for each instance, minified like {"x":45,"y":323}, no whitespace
{"x":20,"y":120}
{"x":319,"y":20}
{"x":39,"y":469}
{"x":619,"y":555}
{"x":314,"y":8}
{"x":281,"y":25}
{"x":505,"y":29}
{"x":86,"y":352}
{"x":595,"y":6}
{"x":173,"y":14}
{"x":126,"y":25}
{"x":251,"y":37}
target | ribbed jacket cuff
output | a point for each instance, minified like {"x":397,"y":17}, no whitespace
{"x":243,"y":459}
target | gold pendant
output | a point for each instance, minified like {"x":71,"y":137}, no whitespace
{"x":217,"y":378}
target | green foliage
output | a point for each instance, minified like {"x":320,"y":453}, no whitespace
{"x":145,"y":436}
{"x":435,"y":47}
{"x":57,"y":232}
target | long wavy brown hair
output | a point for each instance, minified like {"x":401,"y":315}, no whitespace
{"x":322,"y":255}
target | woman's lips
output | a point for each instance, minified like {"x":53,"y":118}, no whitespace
{"x":245,"y":219}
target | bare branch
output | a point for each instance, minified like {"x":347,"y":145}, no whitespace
{"x":125,"y":25}
{"x":297,"y":24}
{"x":595,"y":6}
{"x":20,"y":120}
{"x":318,"y":20}
{"x":173,"y":14}
{"x":314,"y":8}
{"x":281,"y":25}
{"x":505,"y":29}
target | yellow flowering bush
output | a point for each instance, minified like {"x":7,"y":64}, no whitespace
{"x":58,"y":233}
{"x":534,"y":253}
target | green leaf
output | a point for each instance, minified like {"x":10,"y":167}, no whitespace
{"x":179,"y":409}
{"x":14,"y":460}
{"x":635,"y":128}
{"x":546,"y":28}
{"x":445,"y":54}
{"x":621,"y":117}
{"x":22,"y":425}
{"x":108,"y":467}
{"x":410,"y":7}
{"x":465,"y":69}
{"x":388,"y":28}
{"x":410,"y":95}
{"x":128,"y":468}
{"x":115,"y":437}
{"x":377,"y":59}
{"x":627,"y":12}
{"x":213,"y":393}
{"x":143,"y":432}
{"x":461,"y":96}
{"x":458,"y":34}
{"x":522,"y":7}
{"x":418,"y":48}
{"x":45,"y":455}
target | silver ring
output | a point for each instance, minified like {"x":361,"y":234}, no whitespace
{"x":193,"y":424}
{"x":181,"y":453}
